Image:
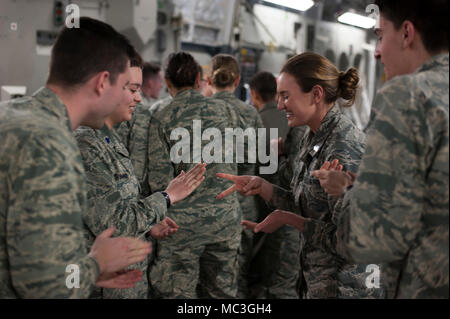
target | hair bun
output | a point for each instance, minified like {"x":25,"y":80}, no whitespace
{"x":223,"y":77}
{"x":348,"y":85}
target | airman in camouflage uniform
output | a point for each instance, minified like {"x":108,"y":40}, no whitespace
{"x":43,"y":187}
{"x":204,"y":250}
{"x":397,"y":210}
{"x":113,"y":196}
{"x":326,"y":275}
{"x":43,"y":195}
{"x":248,"y":118}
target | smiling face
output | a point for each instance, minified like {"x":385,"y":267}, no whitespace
{"x":126,"y":108}
{"x":299,"y":107}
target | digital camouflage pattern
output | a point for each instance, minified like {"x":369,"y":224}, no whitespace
{"x":134,"y":135}
{"x":161,"y":104}
{"x":113,"y":197}
{"x":397,"y":210}
{"x":291,"y":149}
{"x":207,"y":242}
{"x":248,"y":118}
{"x":42,"y":198}
{"x":326,"y":275}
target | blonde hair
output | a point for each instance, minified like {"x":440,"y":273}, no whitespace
{"x":224,"y":70}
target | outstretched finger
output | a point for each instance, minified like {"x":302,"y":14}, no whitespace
{"x":197,"y":168}
{"x":195,"y":174}
{"x":170,"y":222}
{"x":136,"y":244}
{"x":229,"y":191}
{"x":264,"y":226}
{"x":136,"y":259}
{"x":139,"y":252}
{"x":334,"y":164}
{"x":326,"y":166}
{"x":196,"y":183}
{"x":229,"y":177}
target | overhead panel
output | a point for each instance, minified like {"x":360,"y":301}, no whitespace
{"x":206,"y":22}
{"x":137,"y":19}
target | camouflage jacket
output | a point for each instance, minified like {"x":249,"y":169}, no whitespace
{"x":113,"y":195}
{"x":248,"y":118}
{"x":134,"y":135}
{"x":397,"y":210}
{"x":160,"y":104}
{"x":327,"y":275}
{"x":186,"y":107}
{"x":291,"y":148}
{"x":42,"y":198}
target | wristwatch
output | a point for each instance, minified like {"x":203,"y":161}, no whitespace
{"x":166,"y":196}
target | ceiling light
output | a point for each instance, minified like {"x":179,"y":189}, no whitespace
{"x":300,"y":5}
{"x":357,"y":20}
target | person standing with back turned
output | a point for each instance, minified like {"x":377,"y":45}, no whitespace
{"x":204,"y":250}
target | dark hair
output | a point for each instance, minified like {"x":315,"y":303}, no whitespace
{"x":94,"y":47}
{"x":311,"y":69}
{"x":224,"y":70}
{"x":265,"y":84}
{"x":429,"y":17}
{"x":135,"y":59}
{"x":149,"y":71}
{"x":182,"y":70}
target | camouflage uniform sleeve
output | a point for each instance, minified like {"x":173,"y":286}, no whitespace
{"x":131,"y":216}
{"x":44,"y":226}
{"x":161,"y":170}
{"x":381,"y":216}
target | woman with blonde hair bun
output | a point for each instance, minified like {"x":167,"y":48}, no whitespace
{"x":308,"y":87}
{"x":224,"y":77}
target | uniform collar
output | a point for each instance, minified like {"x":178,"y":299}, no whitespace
{"x":52,"y":105}
{"x":440,"y":60}
{"x":317,"y":140}
{"x":223,"y":94}
{"x":186,"y":94}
